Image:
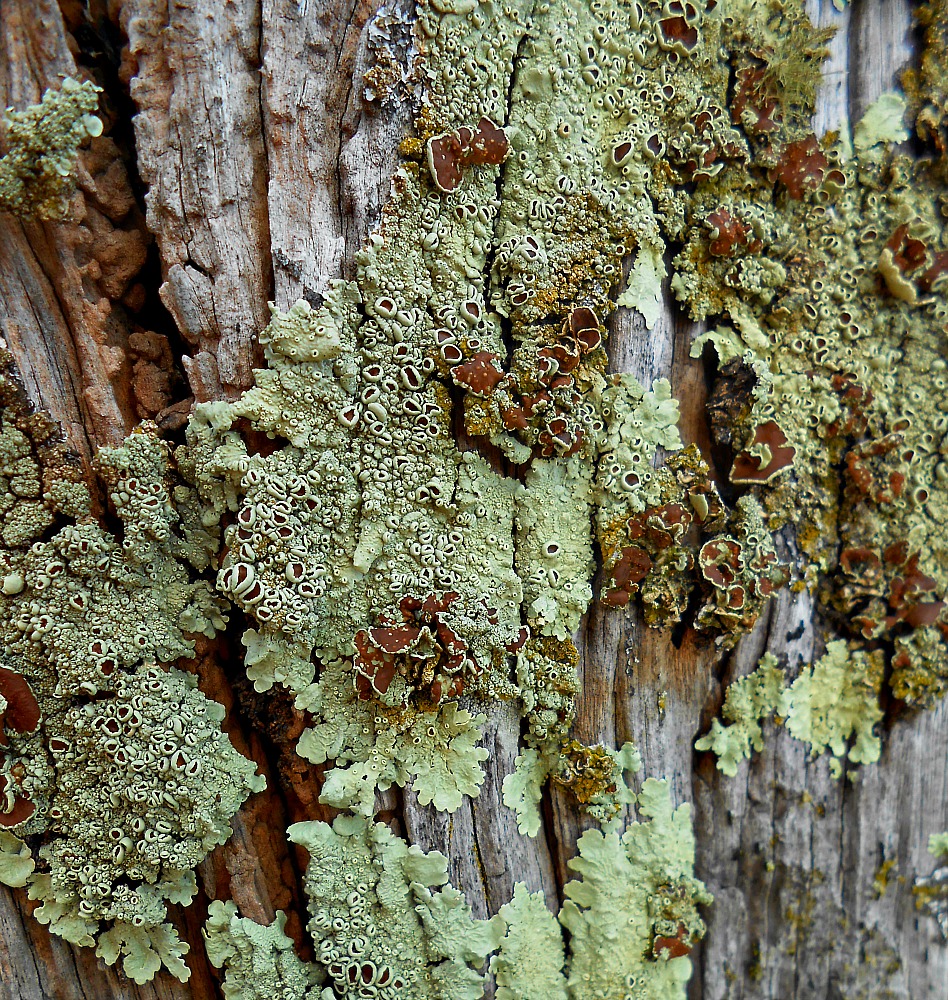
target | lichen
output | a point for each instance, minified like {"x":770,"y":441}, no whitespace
{"x":938,"y":844}
{"x":832,"y":704}
{"x":376,"y":747}
{"x":407,"y":504}
{"x":931,"y":891}
{"x":925,"y":84}
{"x":16,"y":861}
{"x":42,"y":143}
{"x":259,"y":960}
{"x":376,"y":923}
{"x":593,"y":775}
{"x":111,"y":763}
{"x":529,"y":962}
{"x":748,"y":700}
{"x":386,"y":924}
{"x":632,"y":916}
{"x":372,"y":536}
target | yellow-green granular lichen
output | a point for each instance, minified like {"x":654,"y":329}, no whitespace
{"x":42,"y":143}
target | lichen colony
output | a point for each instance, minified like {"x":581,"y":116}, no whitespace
{"x":448,"y":458}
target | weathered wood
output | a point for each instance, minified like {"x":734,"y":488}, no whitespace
{"x":193,"y":71}
{"x":265,"y":168}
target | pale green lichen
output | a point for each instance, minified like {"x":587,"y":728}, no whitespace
{"x":16,"y":861}
{"x":882,"y":123}
{"x":42,"y":143}
{"x":938,"y":844}
{"x":129,"y":782}
{"x":632,"y":916}
{"x":386,"y":924}
{"x":835,"y":703}
{"x":375,"y":748}
{"x":748,"y":700}
{"x":370,"y":538}
{"x":144,"y":950}
{"x":529,"y":962}
{"x":931,"y":891}
{"x":832,"y":705}
{"x":385,"y":921}
{"x":378,"y":925}
{"x":595,"y":777}
{"x":259,"y":960}
{"x":373,"y":541}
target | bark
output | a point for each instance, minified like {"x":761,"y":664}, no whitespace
{"x":241,"y":164}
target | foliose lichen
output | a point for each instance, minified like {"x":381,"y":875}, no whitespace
{"x":832,"y":704}
{"x":259,"y":960}
{"x":632,"y":916}
{"x":931,"y":891}
{"x":111,"y":763}
{"x":42,"y":143}
{"x":385,"y":923}
{"x":377,"y":541}
{"x":411,"y":495}
{"x":376,"y":923}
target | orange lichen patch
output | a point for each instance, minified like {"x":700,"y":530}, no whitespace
{"x":559,"y":437}
{"x":583,"y":328}
{"x":22,"y":712}
{"x":749,"y":466}
{"x":728,"y":234}
{"x":801,"y":167}
{"x":479,"y":374}
{"x":632,"y":567}
{"x":422,"y":648}
{"x":677,"y":31}
{"x":488,"y":144}
{"x":859,"y":562}
{"x":673,"y":947}
{"x":721,"y":561}
{"x":908,"y":254}
{"x":742,"y":573}
{"x":13,"y":809}
{"x":579,"y":335}
{"x":587,"y":772}
{"x":863,"y":482}
{"x":754,"y":107}
{"x":446,"y":160}
{"x":932,"y":275}
{"x":855,"y":400}
{"x":662,"y":526}
{"x":904,"y":591}
{"x":451,"y":152}
{"x":678,"y":27}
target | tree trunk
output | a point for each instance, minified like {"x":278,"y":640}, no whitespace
{"x":240,"y":164}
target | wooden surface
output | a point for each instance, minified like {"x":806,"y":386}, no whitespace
{"x":260,"y":169}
